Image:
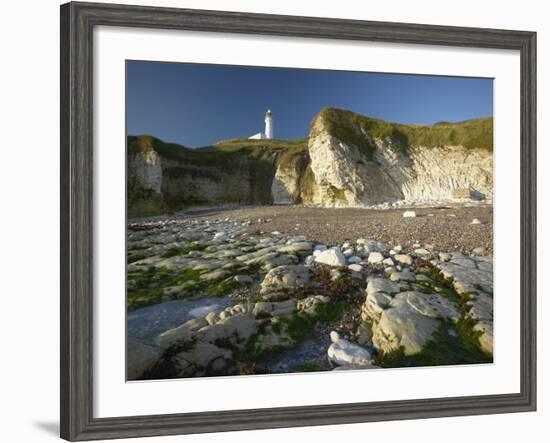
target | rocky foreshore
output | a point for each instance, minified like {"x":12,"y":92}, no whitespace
{"x":223,"y":294}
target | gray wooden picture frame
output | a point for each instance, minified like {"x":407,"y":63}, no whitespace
{"x":77,"y":24}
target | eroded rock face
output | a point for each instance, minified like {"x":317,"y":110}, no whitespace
{"x":346,"y":176}
{"x":144,"y":181}
{"x":327,"y":170}
{"x":178,"y":176}
{"x":286,"y":185}
{"x":145,"y":170}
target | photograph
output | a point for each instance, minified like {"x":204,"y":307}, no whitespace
{"x":287,"y":220}
{"x":266,"y":221}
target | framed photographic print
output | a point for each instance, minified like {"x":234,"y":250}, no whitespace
{"x":274,"y":221}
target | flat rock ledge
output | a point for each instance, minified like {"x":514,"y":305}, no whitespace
{"x":406,"y":294}
{"x":401,"y":316}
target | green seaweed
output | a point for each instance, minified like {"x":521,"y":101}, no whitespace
{"x":439,"y":285}
{"x":443,"y":349}
{"x":309,"y":367}
{"x":135,"y":257}
{"x":301,"y":326}
{"x":151,"y":278}
{"x":187,"y":275}
{"x":298,"y":327}
{"x":173,"y":252}
{"x":223,"y":287}
{"x":147,"y":287}
{"x":144,"y":297}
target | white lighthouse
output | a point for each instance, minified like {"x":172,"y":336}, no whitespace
{"x":268,"y":124}
{"x":268,"y":133}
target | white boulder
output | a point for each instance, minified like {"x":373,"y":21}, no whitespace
{"x":331,"y":257}
{"x":355,"y":267}
{"x":344,"y":353}
{"x":388,"y":261}
{"x":375,"y":257}
{"x":404,"y":259}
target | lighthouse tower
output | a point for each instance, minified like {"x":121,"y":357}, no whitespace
{"x":268,"y":133}
{"x":268,"y":124}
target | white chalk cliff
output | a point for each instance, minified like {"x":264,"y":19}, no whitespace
{"x":349,"y":160}
{"x":388,"y":170}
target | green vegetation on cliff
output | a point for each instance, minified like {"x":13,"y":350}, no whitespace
{"x":352,"y":128}
{"x":220,"y":153}
{"x":179,"y":153}
{"x":286,"y":151}
{"x":254,"y":147}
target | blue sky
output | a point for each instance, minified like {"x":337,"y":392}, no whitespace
{"x":198,"y":105}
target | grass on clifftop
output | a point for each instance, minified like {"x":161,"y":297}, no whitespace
{"x":221,"y":154}
{"x":254,"y":145}
{"x":173,"y":151}
{"x":288,"y":151}
{"x":351,"y":128}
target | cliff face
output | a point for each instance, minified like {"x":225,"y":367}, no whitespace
{"x":286,"y":186}
{"x":348,"y":160}
{"x":235,"y":172}
{"x":145,"y":169}
{"x":144,"y":179}
{"x":235,"y":182}
{"x":358,"y":161}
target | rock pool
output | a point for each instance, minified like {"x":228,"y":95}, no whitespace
{"x":148,"y":322}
